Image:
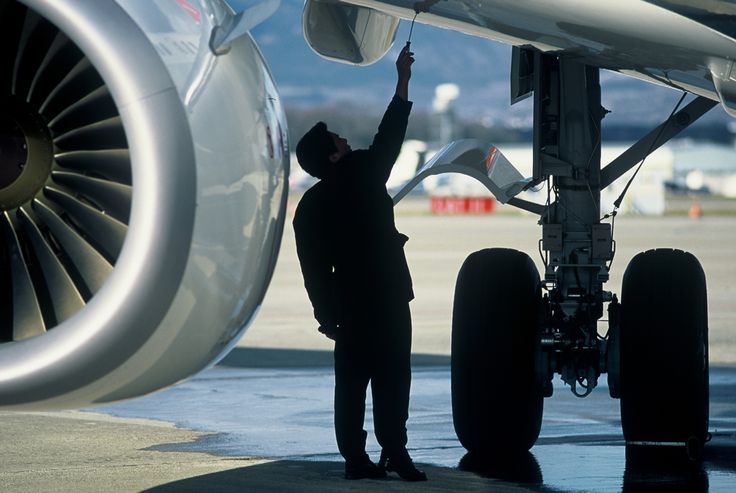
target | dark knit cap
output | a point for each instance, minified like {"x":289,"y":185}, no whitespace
{"x":314,"y":149}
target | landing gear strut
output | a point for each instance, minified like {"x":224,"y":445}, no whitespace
{"x":508,"y":341}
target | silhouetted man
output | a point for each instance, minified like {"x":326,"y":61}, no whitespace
{"x":358,"y":281}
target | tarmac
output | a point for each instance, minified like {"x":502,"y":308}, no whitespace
{"x":262,"y":419}
{"x":438,"y":245}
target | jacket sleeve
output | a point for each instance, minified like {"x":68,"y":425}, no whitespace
{"x":390,"y":136}
{"x":313,"y":250}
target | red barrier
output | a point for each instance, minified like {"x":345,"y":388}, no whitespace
{"x":462,"y":205}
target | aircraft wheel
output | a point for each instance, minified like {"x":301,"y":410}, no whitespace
{"x":496,"y":398}
{"x":664,"y":350}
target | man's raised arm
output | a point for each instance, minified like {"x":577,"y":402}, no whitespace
{"x":392,"y":130}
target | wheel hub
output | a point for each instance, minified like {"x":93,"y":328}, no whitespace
{"x":26,"y":153}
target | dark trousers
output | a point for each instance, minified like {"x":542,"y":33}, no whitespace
{"x":375,"y":350}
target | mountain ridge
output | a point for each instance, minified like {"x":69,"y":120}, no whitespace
{"x":479,"y":67}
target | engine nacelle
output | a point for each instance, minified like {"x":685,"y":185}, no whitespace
{"x":348,"y":33}
{"x":143,"y":186}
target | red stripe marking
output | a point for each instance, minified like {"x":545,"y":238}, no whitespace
{"x":193,"y":11}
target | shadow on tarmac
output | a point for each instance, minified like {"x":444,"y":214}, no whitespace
{"x":245,"y":357}
{"x":647,"y":470}
{"x":523,"y":469}
{"x":664,"y":469}
{"x":287,"y":476}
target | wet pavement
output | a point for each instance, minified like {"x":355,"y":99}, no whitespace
{"x":284,"y":413}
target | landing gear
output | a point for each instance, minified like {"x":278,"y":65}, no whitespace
{"x":496,"y":399}
{"x":664,"y":350}
{"x":508,"y":341}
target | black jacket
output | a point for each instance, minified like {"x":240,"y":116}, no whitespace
{"x":351,"y":254}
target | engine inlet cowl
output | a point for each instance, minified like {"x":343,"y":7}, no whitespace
{"x":143,"y":183}
{"x":97,"y":199}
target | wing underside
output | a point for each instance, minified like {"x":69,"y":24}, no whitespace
{"x":682,"y":44}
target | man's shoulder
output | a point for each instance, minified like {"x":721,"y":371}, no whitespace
{"x":315,"y":192}
{"x":312,"y":200}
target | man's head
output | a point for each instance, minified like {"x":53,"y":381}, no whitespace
{"x":319,"y":149}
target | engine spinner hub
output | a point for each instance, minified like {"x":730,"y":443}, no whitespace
{"x":26,"y":153}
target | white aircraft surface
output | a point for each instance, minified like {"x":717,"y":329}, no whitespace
{"x":513,"y":329}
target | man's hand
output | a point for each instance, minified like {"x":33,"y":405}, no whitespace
{"x":404,"y":61}
{"x":329,"y":330}
{"x":424,"y":5}
{"x":403,"y":67}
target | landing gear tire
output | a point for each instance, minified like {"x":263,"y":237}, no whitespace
{"x":664,"y":350}
{"x":496,"y":398}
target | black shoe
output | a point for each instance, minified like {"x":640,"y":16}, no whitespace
{"x":363,"y":469}
{"x":402,"y":465}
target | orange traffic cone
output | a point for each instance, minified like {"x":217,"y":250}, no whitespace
{"x":695,"y":211}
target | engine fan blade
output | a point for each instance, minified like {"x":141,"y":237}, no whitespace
{"x":113,"y":198}
{"x":104,"y":231}
{"x":12,"y":17}
{"x":92,"y":266}
{"x":36,"y":39}
{"x":66,"y":300}
{"x":81,"y":80}
{"x":61,"y":58}
{"x":27,"y":318}
{"x":113,"y":164}
{"x":96,"y":106}
{"x":105,"y":134}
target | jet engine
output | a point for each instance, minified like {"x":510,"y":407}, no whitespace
{"x":143,"y":182}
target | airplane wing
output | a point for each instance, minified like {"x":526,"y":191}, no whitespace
{"x":144,"y":159}
{"x":684,"y":44}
